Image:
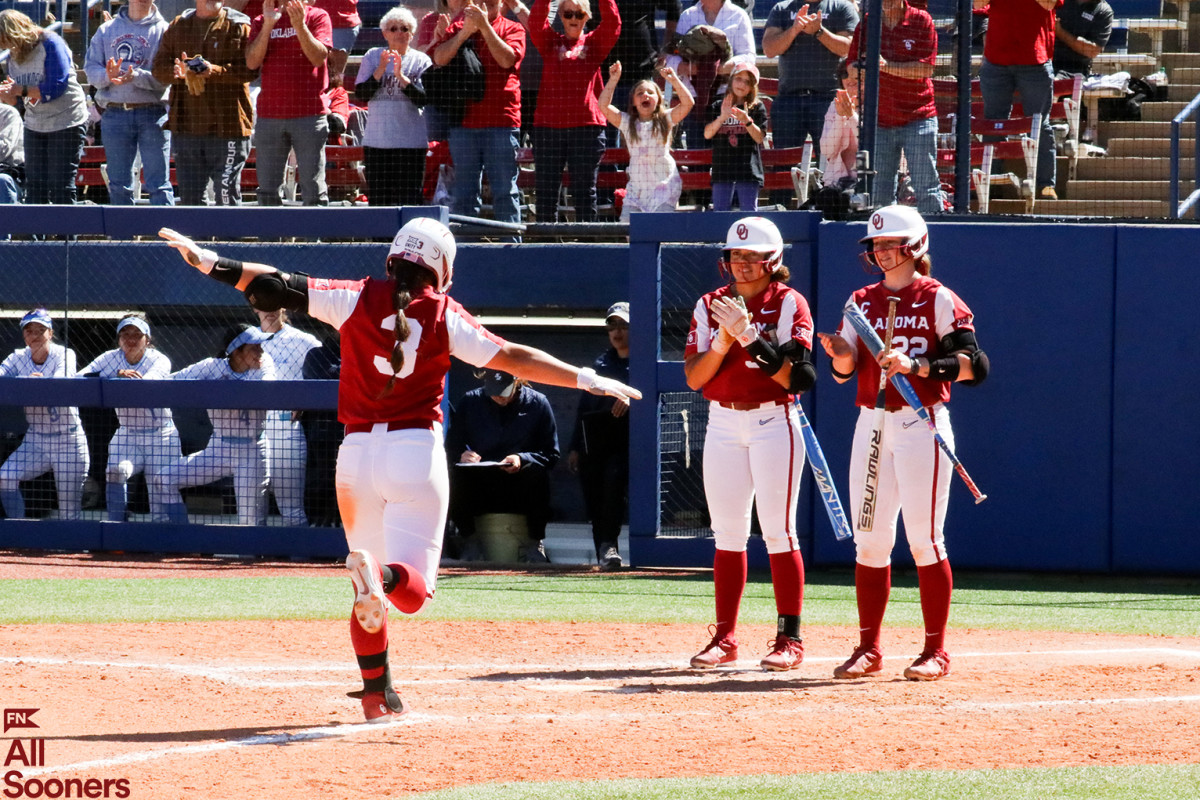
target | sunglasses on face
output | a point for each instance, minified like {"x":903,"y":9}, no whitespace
{"x":572,"y":15}
{"x":617,"y":327}
{"x":399,"y":29}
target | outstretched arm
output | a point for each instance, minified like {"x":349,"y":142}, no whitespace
{"x":266,"y":288}
{"x":541,"y":367}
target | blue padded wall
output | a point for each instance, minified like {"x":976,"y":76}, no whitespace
{"x":1036,"y":437}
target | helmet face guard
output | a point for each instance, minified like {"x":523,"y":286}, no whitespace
{"x":756,"y":234}
{"x":870,"y":259}
{"x":895,"y":222}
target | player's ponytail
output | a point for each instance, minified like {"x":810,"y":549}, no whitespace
{"x":408,"y":277}
{"x":924,"y":265}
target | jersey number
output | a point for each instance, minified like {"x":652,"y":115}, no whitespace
{"x":409,"y":347}
{"x":917,"y":345}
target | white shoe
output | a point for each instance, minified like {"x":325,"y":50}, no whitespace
{"x":369,"y":601}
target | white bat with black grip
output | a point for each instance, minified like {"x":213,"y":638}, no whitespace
{"x":854,"y":315}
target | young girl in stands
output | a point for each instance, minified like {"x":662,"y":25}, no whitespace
{"x":737,"y":127}
{"x":654,"y":183}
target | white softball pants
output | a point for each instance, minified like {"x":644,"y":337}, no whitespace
{"x":287,"y":456}
{"x":64,"y":453}
{"x":241,"y":457}
{"x":914,"y":475}
{"x":749,"y":456}
{"x":134,"y":450}
{"x":393,"y":490}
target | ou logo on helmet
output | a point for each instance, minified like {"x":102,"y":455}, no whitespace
{"x":743,"y":232}
{"x":877,"y":221}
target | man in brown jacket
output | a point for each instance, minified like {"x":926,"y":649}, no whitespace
{"x":202,"y":58}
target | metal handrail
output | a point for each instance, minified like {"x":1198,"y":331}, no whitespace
{"x":1178,"y":209}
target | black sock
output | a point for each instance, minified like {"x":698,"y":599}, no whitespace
{"x":789,"y":626}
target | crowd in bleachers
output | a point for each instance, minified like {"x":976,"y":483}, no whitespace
{"x":195,"y":107}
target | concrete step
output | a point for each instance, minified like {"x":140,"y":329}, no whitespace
{"x":1129,"y":168}
{"x":1163,"y":111}
{"x":1145,"y":148}
{"x":1154,"y":129}
{"x":1185,"y":74}
{"x":1182,"y":91}
{"x":1179,"y":60}
{"x":1121,"y":190}
{"x":1139,"y":209}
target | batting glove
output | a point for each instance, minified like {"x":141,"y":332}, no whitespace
{"x":193,"y":254}
{"x":734,"y":318}
{"x":589,"y":381}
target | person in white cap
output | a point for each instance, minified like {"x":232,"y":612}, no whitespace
{"x":397,"y":334}
{"x":934,"y":345}
{"x":238,"y":445}
{"x":54,"y":440}
{"x":146,"y":439}
{"x":737,"y":127}
{"x":599,"y":450}
{"x":749,"y":351}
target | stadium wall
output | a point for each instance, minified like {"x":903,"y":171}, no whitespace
{"x":1079,"y":437}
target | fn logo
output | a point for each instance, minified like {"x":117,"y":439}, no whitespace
{"x":19,"y":718}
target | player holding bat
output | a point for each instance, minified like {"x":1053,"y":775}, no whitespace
{"x":934,"y":345}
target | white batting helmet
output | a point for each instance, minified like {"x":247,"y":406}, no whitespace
{"x":899,"y":222}
{"x":758,"y":235}
{"x":429,"y":243}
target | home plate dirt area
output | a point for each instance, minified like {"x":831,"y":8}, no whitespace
{"x":235,"y":709}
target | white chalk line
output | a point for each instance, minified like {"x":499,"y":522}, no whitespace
{"x":243,"y":674}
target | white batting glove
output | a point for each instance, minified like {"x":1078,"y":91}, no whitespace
{"x":589,"y":381}
{"x":733,"y":317}
{"x":192,"y":253}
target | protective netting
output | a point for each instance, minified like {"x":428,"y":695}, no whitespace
{"x":163,"y":460}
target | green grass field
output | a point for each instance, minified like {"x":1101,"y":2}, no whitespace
{"x":1148,"y":606}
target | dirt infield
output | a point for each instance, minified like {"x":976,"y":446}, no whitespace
{"x":238,"y":709}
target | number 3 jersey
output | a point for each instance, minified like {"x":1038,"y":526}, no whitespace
{"x":439,"y":328}
{"x":927,"y":311}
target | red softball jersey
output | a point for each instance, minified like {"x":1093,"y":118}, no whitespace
{"x":780,"y":313}
{"x":440,"y":327}
{"x":927,"y":311}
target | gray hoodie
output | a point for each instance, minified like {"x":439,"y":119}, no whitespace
{"x":133,"y":43}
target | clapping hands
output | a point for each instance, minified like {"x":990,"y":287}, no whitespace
{"x":118,"y":73}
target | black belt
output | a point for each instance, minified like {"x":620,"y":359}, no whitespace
{"x":132,"y":106}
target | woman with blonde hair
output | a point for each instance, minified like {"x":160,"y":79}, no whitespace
{"x":42,"y":71}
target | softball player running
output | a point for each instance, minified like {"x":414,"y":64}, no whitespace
{"x":54,"y":439}
{"x":934,"y":345}
{"x":287,"y":450}
{"x":237,"y":447}
{"x":749,"y":350}
{"x":398,"y":334}
{"x":146,"y":438}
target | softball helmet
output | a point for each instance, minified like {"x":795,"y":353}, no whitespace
{"x":426,"y":242}
{"x":897,"y":222}
{"x":757,"y":234}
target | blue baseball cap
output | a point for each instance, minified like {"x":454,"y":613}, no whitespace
{"x":498,"y":384}
{"x":38,"y":315}
{"x":249,"y":334}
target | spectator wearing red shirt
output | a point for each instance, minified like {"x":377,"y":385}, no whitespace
{"x":907,"y":115}
{"x":488,"y":137}
{"x":1018,"y":58}
{"x":343,"y":16}
{"x":568,"y":130}
{"x":290,"y":42}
